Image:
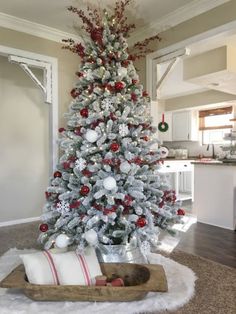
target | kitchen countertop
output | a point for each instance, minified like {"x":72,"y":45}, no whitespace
{"x":213,"y":162}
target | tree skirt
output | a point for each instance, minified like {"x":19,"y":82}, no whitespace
{"x":181,"y":283}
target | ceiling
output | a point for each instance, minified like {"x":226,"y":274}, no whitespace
{"x":144,"y":14}
{"x":174,"y":84}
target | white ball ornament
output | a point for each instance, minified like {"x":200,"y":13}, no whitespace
{"x":91,"y":136}
{"x":91,"y":237}
{"x":62,"y":241}
{"x":109,"y":183}
{"x":125,"y":167}
{"x":122,"y":72}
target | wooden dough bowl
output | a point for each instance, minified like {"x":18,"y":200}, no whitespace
{"x":138,"y":279}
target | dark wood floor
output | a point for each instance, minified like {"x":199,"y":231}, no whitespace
{"x":214,"y":243}
{"x":207,"y":241}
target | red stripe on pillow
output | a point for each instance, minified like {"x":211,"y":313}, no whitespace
{"x":52,"y":266}
{"x":82,"y":266}
{"x":86,"y":268}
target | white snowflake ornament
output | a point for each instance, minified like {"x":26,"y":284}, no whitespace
{"x":81,"y":164}
{"x":107,"y":104}
{"x":63,"y":207}
{"x":123,"y":130}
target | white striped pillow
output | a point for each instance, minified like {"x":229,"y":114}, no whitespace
{"x":70,"y":268}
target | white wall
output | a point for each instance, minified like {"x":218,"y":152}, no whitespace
{"x":24,"y":141}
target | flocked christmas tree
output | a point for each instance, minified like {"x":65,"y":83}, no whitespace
{"x":106,"y":188}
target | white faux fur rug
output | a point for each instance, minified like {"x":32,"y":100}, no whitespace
{"x":181,"y":282}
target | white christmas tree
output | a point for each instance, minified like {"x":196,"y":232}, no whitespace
{"x":106,"y":189}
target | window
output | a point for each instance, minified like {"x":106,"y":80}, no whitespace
{"x":214,"y":123}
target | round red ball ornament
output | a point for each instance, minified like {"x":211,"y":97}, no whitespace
{"x":43,"y":227}
{"x":61,"y":130}
{"x":84,"y":112}
{"x":125,"y":63}
{"x":180,"y":212}
{"x":77,"y":131}
{"x":57,"y":174}
{"x":134,"y":82}
{"x":74,"y":93}
{"x":134,"y":97}
{"x":84,"y":190}
{"x":115,"y":147}
{"x":141,"y":222}
{"x":119,"y":86}
{"x":86,"y":173}
{"x":145,"y":94}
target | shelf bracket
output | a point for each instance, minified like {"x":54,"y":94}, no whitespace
{"x":26,"y":64}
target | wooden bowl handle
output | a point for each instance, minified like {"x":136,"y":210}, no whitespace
{"x":16,"y":279}
{"x":157,"y":281}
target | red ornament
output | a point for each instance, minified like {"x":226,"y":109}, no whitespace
{"x":137,"y":161}
{"x":61,"y":130}
{"x":86,"y":173}
{"x":66,"y":165}
{"x":48,"y":194}
{"x":96,"y":35}
{"x":90,"y":89}
{"x":109,"y":87}
{"x":84,"y":190}
{"x":115,"y":147}
{"x":75,"y":204}
{"x":113,"y":116}
{"x":57,"y":174}
{"x":107,"y":161}
{"x":72,"y":158}
{"x":43,"y":227}
{"x":141,"y":222}
{"x":79,"y":74}
{"x":97,"y":206}
{"x":125,"y":63}
{"x":119,"y":86}
{"x":77,"y":131}
{"x":134,"y":97}
{"x":128,"y":200}
{"x":145,"y":94}
{"x":134,"y":82}
{"x":84,"y":112}
{"x":145,"y":138}
{"x":180,"y":212}
{"x":74,"y":93}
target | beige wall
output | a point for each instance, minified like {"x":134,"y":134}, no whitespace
{"x":68,"y":62}
{"x":202,"y":23}
{"x":24,"y":137}
{"x":24,"y":142}
{"x":197,"y":99}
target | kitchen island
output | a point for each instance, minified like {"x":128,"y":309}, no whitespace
{"x":215,"y":193}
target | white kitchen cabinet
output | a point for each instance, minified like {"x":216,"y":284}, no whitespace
{"x":166,"y":136}
{"x":185,"y":125}
{"x":179,"y":174}
{"x":215,"y":194}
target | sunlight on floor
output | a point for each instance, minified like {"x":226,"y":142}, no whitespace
{"x":169,"y":242}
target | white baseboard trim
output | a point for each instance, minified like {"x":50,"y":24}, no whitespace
{"x":18,"y":221}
